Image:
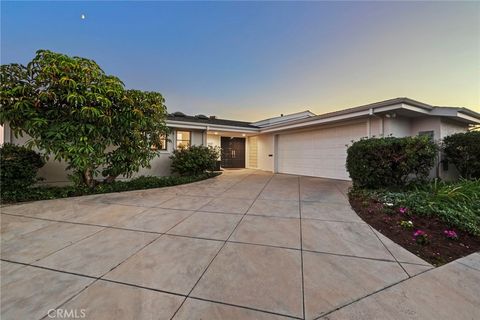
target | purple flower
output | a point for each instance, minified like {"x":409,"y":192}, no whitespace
{"x":403,"y":210}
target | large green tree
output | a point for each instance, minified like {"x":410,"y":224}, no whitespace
{"x":74,"y":111}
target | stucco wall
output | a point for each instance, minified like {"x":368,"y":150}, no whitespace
{"x":376,"y":127}
{"x":426,"y":124}
{"x":252,"y":152}
{"x":397,"y":127}
{"x":449,"y":127}
{"x":213,"y":140}
{"x":55,"y":172}
{"x":265,"y":146}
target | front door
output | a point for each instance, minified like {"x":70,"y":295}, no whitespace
{"x":233,"y":152}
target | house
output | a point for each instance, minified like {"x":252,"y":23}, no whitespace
{"x":301,"y":143}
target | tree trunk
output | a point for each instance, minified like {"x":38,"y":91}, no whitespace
{"x":110,"y":179}
{"x":88,"y":178}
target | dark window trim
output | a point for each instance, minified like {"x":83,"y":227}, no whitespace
{"x":164,"y":137}
{"x":428,"y":133}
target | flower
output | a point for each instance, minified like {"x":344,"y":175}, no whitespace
{"x":450,"y":234}
{"x":403,"y":210}
{"x":406,"y":224}
{"x":419,"y":233}
{"x":388,"y":204}
{"x":420,"y":237}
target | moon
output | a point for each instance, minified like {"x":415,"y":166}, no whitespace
{"x":82,"y":16}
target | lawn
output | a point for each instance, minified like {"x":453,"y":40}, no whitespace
{"x":439,"y":221}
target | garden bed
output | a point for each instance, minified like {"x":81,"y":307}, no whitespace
{"x":140,"y":183}
{"x":393,"y":221}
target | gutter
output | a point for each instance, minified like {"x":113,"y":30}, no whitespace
{"x":194,"y":125}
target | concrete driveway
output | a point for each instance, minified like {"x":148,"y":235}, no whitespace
{"x":244,"y":245}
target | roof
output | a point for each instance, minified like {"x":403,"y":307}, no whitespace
{"x":306,"y":118}
{"x":391,"y":104}
{"x":380,"y":104}
{"x":284,"y":118}
{"x":207,"y":120}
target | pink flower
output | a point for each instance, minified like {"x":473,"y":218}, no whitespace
{"x":403,"y":210}
{"x":419,"y":233}
{"x":450,"y":234}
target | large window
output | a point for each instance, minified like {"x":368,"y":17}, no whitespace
{"x":184,"y":139}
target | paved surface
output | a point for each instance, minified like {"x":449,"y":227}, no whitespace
{"x":244,"y":245}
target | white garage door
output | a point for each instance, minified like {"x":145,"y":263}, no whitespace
{"x":318,"y":153}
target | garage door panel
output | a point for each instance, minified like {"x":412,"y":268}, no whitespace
{"x":320,"y":152}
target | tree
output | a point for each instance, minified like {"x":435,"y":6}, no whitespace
{"x":140,"y":125}
{"x":72,"y":110}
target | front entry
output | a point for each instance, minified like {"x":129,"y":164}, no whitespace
{"x":233,"y":152}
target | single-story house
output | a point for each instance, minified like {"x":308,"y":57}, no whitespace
{"x":300,"y":143}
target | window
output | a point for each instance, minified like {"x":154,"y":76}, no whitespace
{"x":184,"y":139}
{"x":429,"y":134}
{"x":162,"y":143}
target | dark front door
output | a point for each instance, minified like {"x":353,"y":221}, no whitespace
{"x":233,"y":152}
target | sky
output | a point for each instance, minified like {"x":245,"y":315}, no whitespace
{"x":252,"y":60}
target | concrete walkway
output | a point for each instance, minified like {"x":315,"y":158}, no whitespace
{"x":244,"y":245}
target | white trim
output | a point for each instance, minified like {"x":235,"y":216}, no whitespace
{"x":319,"y":121}
{"x":467,"y":117}
{"x":208,"y":127}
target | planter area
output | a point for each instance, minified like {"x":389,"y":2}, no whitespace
{"x":427,"y":235}
{"x":140,"y":183}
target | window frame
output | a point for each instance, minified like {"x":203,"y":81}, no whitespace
{"x":429,"y":133}
{"x":182,"y":140}
{"x":164,"y":137}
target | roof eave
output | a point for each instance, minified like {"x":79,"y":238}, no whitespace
{"x":208,"y":126}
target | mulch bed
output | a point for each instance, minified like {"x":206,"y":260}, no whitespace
{"x":439,"y":249}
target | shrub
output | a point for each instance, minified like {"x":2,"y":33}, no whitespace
{"x":19,"y":167}
{"x":463,"y":150}
{"x":386,"y":162}
{"x":194,"y":160}
{"x":55,"y":192}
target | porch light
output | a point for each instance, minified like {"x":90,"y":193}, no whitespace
{"x":243,"y":134}
{"x":216,"y":132}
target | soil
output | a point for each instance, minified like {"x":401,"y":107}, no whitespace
{"x":439,"y":249}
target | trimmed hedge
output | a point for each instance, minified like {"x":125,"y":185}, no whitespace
{"x":385,"y":162}
{"x":463,"y":150}
{"x":194,"y":160}
{"x":18,"y":167}
{"x":55,"y":192}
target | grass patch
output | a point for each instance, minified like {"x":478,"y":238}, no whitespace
{"x":56,"y":192}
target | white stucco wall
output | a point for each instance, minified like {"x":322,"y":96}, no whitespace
{"x":265,"y":145}
{"x":397,"y":127}
{"x":376,"y":127}
{"x":449,"y":127}
{"x":55,"y":172}
{"x":213,"y":140}
{"x":441,"y":128}
{"x":426,"y":124}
